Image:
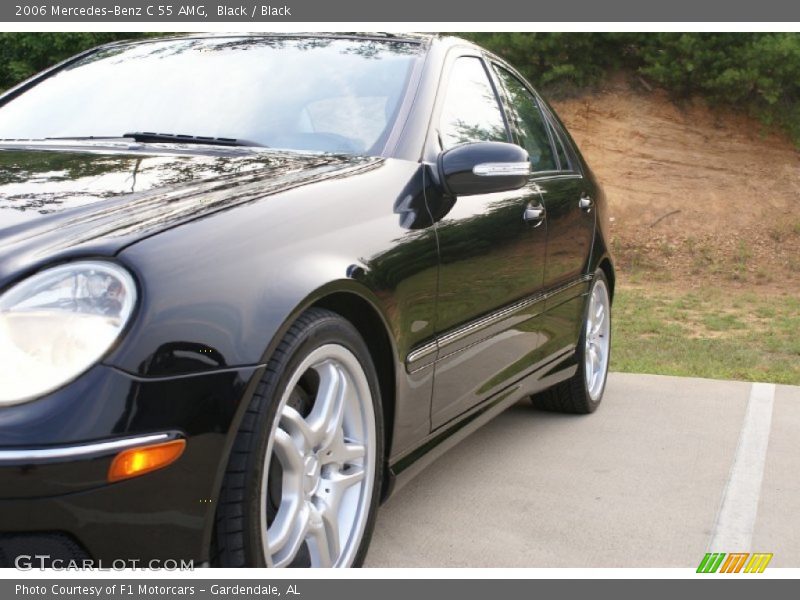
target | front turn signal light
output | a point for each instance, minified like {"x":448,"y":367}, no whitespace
{"x":144,"y":459}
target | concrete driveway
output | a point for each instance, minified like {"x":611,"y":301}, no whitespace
{"x":667,"y":469}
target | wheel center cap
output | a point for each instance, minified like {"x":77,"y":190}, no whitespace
{"x":311,"y":470}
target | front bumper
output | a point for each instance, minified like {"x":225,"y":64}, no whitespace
{"x":55,"y":453}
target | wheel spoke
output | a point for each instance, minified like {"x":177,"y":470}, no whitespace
{"x":325,"y":419}
{"x":334,"y":486}
{"x":319,"y":546}
{"x":324,"y":537}
{"x":324,"y":446}
{"x":301,"y":432}
{"x":280,"y":532}
{"x":341,"y":480}
{"x":590,"y":320}
{"x":285,"y":553}
{"x":599,"y":314}
{"x":287,"y":451}
{"x":350,"y":452}
{"x":592,"y":371}
{"x":593,"y":359}
{"x":342,"y":451}
{"x":598,"y":355}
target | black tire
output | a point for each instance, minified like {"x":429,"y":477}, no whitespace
{"x":572,"y":396}
{"x":237,"y":539}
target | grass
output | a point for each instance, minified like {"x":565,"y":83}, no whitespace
{"x":712,"y":332}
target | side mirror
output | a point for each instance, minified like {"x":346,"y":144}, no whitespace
{"x":483,"y":168}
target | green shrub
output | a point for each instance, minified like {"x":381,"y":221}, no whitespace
{"x":25,"y":54}
{"x":757,"y":73}
{"x":566,"y":61}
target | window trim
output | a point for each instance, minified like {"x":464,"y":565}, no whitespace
{"x":569,"y":149}
{"x":557,"y":141}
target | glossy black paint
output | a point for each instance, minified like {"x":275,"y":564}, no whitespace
{"x":229,"y":246}
{"x":457,"y":168}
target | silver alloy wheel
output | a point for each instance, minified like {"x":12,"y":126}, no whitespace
{"x":327,"y":460}
{"x":598,"y":340}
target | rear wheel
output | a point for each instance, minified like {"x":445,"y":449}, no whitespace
{"x":301,"y":487}
{"x":583,"y":392}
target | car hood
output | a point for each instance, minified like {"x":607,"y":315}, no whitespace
{"x":62,"y":202}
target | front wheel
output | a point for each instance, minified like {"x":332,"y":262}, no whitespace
{"x":583,"y":392}
{"x":301,"y":489}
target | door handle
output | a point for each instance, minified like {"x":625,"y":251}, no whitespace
{"x":534,"y":214}
{"x":585,"y":202}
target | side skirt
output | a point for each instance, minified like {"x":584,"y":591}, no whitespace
{"x":404,"y":468}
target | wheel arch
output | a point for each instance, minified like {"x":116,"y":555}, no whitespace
{"x":356,"y":304}
{"x":601,"y":258}
{"x":366,"y":318}
{"x":608,"y":270}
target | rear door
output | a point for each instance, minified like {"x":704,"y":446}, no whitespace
{"x":492,"y":259}
{"x":570,"y":214}
{"x":569,"y":206}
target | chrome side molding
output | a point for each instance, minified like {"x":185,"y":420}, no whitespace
{"x":454,"y":335}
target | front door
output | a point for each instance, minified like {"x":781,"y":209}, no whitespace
{"x":492,"y":250}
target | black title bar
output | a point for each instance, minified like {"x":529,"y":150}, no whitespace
{"x":360,"y":11}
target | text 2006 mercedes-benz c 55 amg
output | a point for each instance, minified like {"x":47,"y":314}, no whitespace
{"x":251,"y":284}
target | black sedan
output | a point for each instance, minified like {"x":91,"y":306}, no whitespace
{"x":250,"y":285}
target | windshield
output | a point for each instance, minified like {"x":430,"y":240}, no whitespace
{"x":318,"y":94}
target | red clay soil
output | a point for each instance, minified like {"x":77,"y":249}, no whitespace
{"x":692,"y":189}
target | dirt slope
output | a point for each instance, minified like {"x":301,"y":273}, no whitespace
{"x":691,"y":189}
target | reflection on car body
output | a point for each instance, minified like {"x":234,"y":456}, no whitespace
{"x":310,"y":264}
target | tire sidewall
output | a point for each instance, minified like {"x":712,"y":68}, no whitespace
{"x":328,"y":329}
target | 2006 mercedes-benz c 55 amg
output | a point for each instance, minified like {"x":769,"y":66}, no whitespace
{"x":251,"y":284}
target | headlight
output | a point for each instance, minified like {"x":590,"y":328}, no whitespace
{"x":58,"y":323}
